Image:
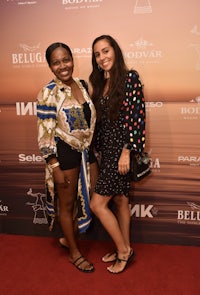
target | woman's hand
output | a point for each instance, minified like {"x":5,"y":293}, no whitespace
{"x":124,"y":162}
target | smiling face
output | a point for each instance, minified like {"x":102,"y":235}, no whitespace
{"x":104,"y":54}
{"x":62,"y":65}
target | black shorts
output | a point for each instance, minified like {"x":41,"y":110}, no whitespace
{"x":69,"y":158}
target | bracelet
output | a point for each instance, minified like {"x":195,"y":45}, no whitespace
{"x":55,"y":165}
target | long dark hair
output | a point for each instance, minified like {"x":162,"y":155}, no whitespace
{"x":52,"y":47}
{"x":117,"y":80}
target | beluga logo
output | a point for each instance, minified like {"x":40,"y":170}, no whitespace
{"x":28,"y":56}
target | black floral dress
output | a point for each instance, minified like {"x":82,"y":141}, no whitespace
{"x":128,"y":130}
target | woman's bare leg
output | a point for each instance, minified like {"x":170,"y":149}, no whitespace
{"x":93,"y":179}
{"x":94,"y":172}
{"x":99,"y":205}
{"x":67,"y":193}
{"x":123,"y":216}
{"x":63,"y":241}
{"x":122,"y":212}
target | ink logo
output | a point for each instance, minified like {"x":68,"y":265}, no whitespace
{"x":191,"y":216}
{"x":38,"y":207}
{"x":142,"y":6}
{"x":4,"y":210}
{"x":23,"y":109}
{"x":28,"y":56}
{"x":141,"y":210}
{"x":142,"y":51}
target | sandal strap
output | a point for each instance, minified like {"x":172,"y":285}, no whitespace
{"x":125,"y":260}
{"x":120,"y":260}
{"x":83,"y":260}
{"x":75,"y":261}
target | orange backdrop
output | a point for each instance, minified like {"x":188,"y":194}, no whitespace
{"x":161,"y":40}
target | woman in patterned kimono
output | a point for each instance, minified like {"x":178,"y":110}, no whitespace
{"x":118,"y":98}
{"x":66,"y":120}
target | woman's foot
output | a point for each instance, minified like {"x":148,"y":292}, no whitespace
{"x":110,"y":257}
{"x":63,"y":243}
{"x":82,"y":264}
{"x":121,"y":263}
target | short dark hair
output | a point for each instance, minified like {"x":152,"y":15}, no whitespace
{"x":52,"y":47}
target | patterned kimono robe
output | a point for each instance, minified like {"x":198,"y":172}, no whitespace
{"x":61,"y":116}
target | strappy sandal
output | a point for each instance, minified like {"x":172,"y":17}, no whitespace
{"x":110,"y":257}
{"x":119,"y":260}
{"x":79,"y":261}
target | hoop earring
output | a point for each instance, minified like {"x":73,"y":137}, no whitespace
{"x":99,"y":68}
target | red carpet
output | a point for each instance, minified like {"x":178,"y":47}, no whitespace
{"x":38,"y":266}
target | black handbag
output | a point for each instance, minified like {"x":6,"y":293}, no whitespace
{"x":140,"y":166}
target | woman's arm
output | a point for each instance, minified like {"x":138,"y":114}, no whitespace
{"x":46,"y":123}
{"x":134,"y":113}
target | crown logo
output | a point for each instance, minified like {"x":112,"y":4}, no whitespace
{"x":141,"y":43}
{"x":30,"y":48}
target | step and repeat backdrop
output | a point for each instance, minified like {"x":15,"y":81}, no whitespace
{"x":161,"y":40}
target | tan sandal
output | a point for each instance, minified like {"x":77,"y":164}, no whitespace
{"x":120,"y":260}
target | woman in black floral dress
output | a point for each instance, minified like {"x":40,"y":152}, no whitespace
{"x":118,"y":98}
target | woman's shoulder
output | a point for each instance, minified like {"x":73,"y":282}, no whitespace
{"x":49,"y":85}
{"x":133,"y":77}
{"x":47,"y":89}
{"x":133,"y":73}
{"x":80,"y":81}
